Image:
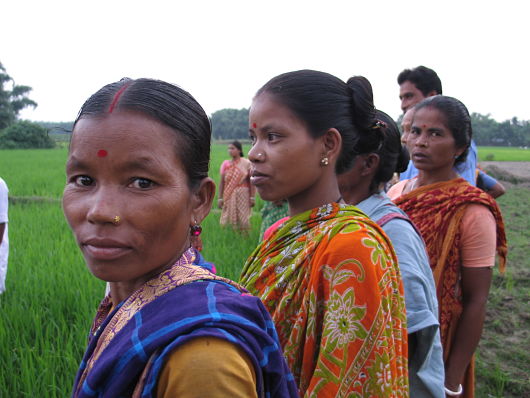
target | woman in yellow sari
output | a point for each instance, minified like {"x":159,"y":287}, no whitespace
{"x":462,"y":227}
{"x":328,"y":275}
{"x":236,"y":196}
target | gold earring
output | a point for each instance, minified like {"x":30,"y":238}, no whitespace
{"x":324,"y":161}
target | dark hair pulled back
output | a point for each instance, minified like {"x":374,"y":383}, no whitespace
{"x":238,"y":145}
{"x":166,"y":103}
{"x":457,"y":120}
{"x":323,"y":101}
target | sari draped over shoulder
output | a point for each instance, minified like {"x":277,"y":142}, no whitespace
{"x":129,"y":344}
{"x":437,"y":210}
{"x":236,"y":195}
{"x":330,"y":279}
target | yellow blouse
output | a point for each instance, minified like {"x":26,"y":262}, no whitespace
{"x":207,"y":367}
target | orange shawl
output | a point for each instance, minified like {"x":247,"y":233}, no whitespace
{"x":437,"y":210}
{"x":330,"y":279}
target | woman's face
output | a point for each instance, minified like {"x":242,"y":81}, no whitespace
{"x":431,"y":144}
{"x":285,"y":158}
{"x":233,"y":151}
{"x":124,"y":165}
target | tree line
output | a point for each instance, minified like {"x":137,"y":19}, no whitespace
{"x":227,"y":124}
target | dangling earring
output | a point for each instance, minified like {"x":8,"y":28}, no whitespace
{"x":324,"y":161}
{"x":195,"y":239}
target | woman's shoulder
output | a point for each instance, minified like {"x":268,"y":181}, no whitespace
{"x":396,"y":190}
{"x":228,"y":368}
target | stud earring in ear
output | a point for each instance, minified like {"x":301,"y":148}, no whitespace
{"x":324,"y":161}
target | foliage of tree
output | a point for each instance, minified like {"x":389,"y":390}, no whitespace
{"x":230,"y":124}
{"x":13,"y":98}
{"x":25,"y":134}
{"x":487,"y":131}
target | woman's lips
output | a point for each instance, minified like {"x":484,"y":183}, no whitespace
{"x":105,"y":249}
{"x":257,"y":178}
{"x":419,"y":156}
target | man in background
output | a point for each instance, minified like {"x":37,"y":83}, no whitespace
{"x":417,"y":84}
{"x":4,"y":241}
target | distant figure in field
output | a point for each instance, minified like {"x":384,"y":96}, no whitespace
{"x":462,"y":228}
{"x":422,"y":82}
{"x":137,"y":190}
{"x":236,"y":195}
{"x":4,"y":239}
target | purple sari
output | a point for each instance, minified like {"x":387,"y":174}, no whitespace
{"x":128,"y":347}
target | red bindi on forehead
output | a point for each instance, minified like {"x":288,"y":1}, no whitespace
{"x":102,"y":153}
{"x":254,"y":125}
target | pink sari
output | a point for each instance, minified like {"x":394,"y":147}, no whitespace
{"x":236,"y":195}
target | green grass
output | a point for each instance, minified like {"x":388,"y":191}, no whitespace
{"x":51,"y":298}
{"x":503,"y":154}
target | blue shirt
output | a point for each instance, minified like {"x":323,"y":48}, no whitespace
{"x":426,"y":368}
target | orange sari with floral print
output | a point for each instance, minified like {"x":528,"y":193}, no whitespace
{"x":330,"y":279}
{"x":437,"y":210}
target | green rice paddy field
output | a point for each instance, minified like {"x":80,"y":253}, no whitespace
{"x":51,"y":298}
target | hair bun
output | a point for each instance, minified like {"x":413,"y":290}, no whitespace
{"x":363,"y":108}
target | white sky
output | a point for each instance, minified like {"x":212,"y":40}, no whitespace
{"x":222,"y":52}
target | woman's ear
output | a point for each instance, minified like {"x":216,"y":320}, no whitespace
{"x":332,"y":142}
{"x":202,"y":198}
{"x":370,"y":164}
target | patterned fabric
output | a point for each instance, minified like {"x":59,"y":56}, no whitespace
{"x":437,"y":210}
{"x":330,"y":279}
{"x":270,"y":213}
{"x":236,"y":194}
{"x":128,"y":345}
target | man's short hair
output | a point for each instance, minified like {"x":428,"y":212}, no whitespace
{"x":426,"y":80}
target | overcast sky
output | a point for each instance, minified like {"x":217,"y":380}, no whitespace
{"x":223,"y":51}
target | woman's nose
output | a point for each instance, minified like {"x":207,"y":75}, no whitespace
{"x":255,"y":153}
{"x":104,"y":207}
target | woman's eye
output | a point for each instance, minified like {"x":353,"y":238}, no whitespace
{"x":142,"y":183}
{"x":272,"y":136}
{"x":252,"y":139}
{"x":84,"y":181}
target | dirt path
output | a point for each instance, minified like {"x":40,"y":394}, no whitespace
{"x":518,"y":169}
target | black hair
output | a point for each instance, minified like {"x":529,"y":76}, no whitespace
{"x":457,"y":120}
{"x":425,"y":79}
{"x":166,"y":103}
{"x":323,"y":101}
{"x":238,"y":145}
{"x":393,"y":157}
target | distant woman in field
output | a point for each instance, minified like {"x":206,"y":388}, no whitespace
{"x":236,"y":195}
{"x":137,"y":190}
{"x":462,"y":227}
{"x":328,"y":275}
{"x":380,"y":155}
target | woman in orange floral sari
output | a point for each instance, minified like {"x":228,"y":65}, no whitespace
{"x":328,"y":275}
{"x":462,"y":227}
{"x":236,"y":196}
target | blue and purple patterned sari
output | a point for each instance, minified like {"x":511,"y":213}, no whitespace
{"x":128,"y":345}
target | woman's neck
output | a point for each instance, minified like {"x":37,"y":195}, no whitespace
{"x":325,"y":191}
{"x":432,"y":177}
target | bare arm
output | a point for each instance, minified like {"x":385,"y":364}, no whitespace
{"x":2,"y":229}
{"x":221,"y":191}
{"x":475,"y":288}
{"x":496,"y":190}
